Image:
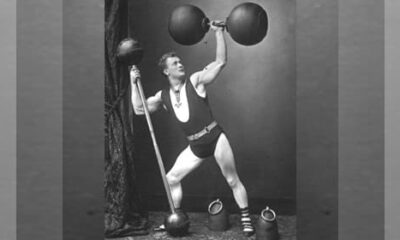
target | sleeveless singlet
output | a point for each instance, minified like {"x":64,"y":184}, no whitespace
{"x":200,"y":116}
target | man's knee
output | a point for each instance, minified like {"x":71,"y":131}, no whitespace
{"x":232,"y":181}
{"x":172,"y":178}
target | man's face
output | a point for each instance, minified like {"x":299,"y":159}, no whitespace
{"x":174,"y":67}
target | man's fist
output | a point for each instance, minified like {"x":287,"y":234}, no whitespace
{"x":135,"y":74}
{"x":217,"y":25}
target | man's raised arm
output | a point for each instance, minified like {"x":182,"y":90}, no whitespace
{"x":211,"y":71}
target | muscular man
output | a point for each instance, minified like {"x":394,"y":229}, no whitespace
{"x":186,"y":101}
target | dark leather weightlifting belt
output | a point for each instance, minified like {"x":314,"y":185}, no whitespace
{"x":203,"y":132}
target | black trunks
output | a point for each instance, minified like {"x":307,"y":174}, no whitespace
{"x":205,"y":146}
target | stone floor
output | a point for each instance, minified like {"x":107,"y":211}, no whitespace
{"x":199,"y":230}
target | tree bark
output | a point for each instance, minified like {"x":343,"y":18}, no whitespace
{"x":124,"y":213}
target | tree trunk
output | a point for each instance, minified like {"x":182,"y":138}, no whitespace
{"x":124,"y":214}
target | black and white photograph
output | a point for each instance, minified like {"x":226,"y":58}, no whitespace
{"x":199,"y":120}
{"x":204,"y":144}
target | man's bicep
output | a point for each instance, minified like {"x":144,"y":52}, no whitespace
{"x":155,"y":102}
{"x":210,"y":72}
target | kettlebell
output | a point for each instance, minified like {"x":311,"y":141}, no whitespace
{"x":218,"y":217}
{"x":267,"y":226}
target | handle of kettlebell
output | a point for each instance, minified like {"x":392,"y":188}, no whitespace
{"x":267,"y":209}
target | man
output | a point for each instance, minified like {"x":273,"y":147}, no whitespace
{"x":186,"y":101}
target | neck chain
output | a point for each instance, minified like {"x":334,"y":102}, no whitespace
{"x":177,"y":94}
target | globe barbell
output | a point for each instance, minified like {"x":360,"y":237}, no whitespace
{"x":130,"y":52}
{"x":247,"y":24}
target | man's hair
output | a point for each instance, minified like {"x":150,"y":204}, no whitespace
{"x":162,"y":62}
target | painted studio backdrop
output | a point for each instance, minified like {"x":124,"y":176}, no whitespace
{"x":253,"y":99}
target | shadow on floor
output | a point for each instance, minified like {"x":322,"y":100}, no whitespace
{"x":199,"y":230}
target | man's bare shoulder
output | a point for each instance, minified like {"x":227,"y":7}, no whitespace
{"x":157,"y":96}
{"x":195,"y":78}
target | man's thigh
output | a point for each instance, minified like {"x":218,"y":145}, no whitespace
{"x":224,"y":155}
{"x":185,"y":163}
